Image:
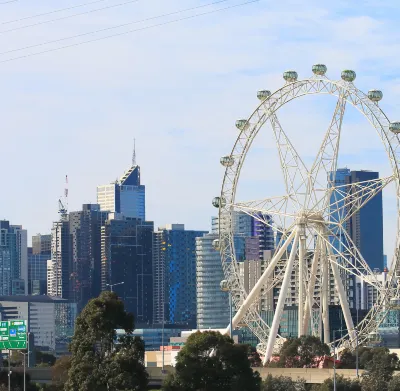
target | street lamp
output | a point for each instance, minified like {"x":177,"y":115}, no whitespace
{"x":112,"y":285}
{"x":225,"y":288}
{"x":25,"y":354}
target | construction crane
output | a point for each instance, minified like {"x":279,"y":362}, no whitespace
{"x":63,"y":204}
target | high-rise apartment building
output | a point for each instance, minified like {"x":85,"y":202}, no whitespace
{"x":13,"y":259}
{"x":125,"y":196}
{"x":174,"y":267}
{"x":59,"y":266}
{"x":38,"y":255}
{"x":41,"y":244}
{"x":365,"y":227}
{"x":212,"y":303}
{"x":85,"y":235}
{"x":126,"y":265}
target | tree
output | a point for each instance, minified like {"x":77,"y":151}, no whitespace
{"x":394,"y":384}
{"x":210,"y":361}
{"x":379,"y":369}
{"x":301,"y":352}
{"x":254,"y":357}
{"x":44,"y":359}
{"x":342,"y":384}
{"x":282,"y":383}
{"x":97,"y":363}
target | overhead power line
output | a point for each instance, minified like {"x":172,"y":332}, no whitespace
{"x":112,"y":27}
{"x":131,"y":31}
{"x":50,"y":12}
{"x":69,"y":16}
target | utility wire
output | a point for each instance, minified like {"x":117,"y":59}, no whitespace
{"x":51,"y":12}
{"x":112,"y":27}
{"x":70,"y":16}
{"x":131,"y":31}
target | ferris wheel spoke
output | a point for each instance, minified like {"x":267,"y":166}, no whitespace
{"x":326,"y":159}
{"x":295,"y":173}
{"x":347,"y":200}
{"x":347,"y":257}
{"x":342,"y":296}
{"x":269,"y":211}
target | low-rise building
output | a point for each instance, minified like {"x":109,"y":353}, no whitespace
{"x":50,"y":319}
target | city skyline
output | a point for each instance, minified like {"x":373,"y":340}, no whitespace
{"x":78,"y":112}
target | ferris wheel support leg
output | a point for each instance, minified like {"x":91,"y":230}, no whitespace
{"x":326,"y":293}
{"x":342,"y":297}
{"x":281,"y":301}
{"x":253,"y":294}
{"x":302,"y":244}
{"x":311,"y":288}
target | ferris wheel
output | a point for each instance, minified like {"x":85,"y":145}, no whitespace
{"x":314,"y":248}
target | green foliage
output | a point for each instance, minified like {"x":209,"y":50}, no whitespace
{"x":300,"y":352}
{"x":44,"y":359}
{"x":96,"y":364}
{"x":210,"y":361}
{"x":380,"y":367}
{"x":394,"y":384}
{"x":254,"y":357}
{"x":282,"y":383}
{"x":342,"y":384}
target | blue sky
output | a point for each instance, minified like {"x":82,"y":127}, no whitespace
{"x":178,"y":90}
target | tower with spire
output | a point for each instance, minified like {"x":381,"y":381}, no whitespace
{"x":126,"y":196}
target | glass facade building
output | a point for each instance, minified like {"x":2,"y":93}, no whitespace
{"x":126,"y":196}
{"x":85,"y":236}
{"x":174,"y":265}
{"x":212,"y":303}
{"x":13,"y":259}
{"x":37,"y":272}
{"x":126,"y":256}
{"x":366,"y":226}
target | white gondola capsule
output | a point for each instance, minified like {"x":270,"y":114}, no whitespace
{"x":227,"y":161}
{"x":319,"y":69}
{"x":215,"y":244}
{"x":242,"y":124}
{"x":263,"y":94}
{"x":375,"y":95}
{"x":394,"y":127}
{"x":348,"y":75}
{"x":224,"y":286}
{"x":290,"y":76}
{"x":219,"y":202}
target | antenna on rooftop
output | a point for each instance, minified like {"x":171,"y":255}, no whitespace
{"x":134,"y":153}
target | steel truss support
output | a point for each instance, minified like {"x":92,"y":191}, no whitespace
{"x":325,"y":294}
{"x":281,"y":299}
{"x":342,"y":296}
{"x":253,"y":294}
{"x":308,"y":308}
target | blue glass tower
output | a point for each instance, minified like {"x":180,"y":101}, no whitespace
{"x":365,"y":227}
{"x":174,"y":268}
{"x":125,"y":196}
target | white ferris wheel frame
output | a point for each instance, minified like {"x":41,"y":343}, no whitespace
{"x":245,"y":303}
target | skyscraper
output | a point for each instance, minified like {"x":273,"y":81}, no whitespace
{"x":126,"y":260}
{"x":85,"y":235}
{"x":13,"y":259}
{"x":365,"y":227}
{"x":126,"y":195}
{"x":212,"y":303}
{"x":174,"y":266}
{"x":59,"y":266}
{"x":41,"y":244}
{"x":38,"y":255}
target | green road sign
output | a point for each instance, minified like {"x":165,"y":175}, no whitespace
{"x":13,"y":334}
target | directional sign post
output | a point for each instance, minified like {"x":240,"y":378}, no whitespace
{"x":13,"y":335}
